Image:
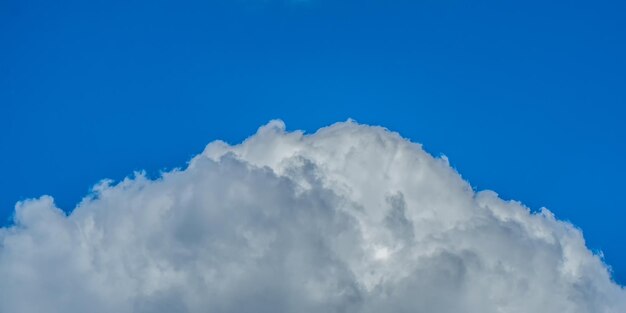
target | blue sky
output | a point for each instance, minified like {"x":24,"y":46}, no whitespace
{"x":526,"y":99}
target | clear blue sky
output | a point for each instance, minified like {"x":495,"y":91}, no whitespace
{"x":525,"y":98}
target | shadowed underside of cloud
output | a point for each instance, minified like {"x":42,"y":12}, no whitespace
{"x":352,"y":218}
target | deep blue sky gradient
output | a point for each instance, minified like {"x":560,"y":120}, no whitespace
{"x":525,"y":98}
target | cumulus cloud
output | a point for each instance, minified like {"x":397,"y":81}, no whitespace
{"x":352,"y":218}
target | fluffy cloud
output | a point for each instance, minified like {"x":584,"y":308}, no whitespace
{"x":352,"y":218}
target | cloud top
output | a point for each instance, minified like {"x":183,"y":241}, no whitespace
{"x":353,"y":218}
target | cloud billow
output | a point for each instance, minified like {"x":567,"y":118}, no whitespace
{"x":352,"y":218}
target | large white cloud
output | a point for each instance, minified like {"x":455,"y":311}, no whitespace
{"x":350,"y":219}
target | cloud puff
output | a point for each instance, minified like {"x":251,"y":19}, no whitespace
{"x":352,"y":218}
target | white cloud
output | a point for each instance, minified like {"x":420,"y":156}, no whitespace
{"x":350,"y":219}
